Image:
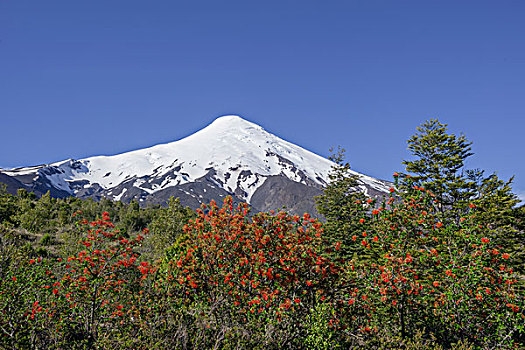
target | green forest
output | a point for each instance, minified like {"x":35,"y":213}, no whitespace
{"x":437,"y":264}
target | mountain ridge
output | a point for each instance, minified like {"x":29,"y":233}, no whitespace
{"x":230,"y":156}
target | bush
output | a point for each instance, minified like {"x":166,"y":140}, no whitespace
{"x":46,"y":240}
{"x":445,"y":277}
{"x":233,"y":280}
{"x":93,"y":296}
{"x":253,"y":273}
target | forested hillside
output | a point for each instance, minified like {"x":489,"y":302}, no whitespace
{"x":436,"y":265}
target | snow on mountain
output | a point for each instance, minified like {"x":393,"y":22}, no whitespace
{"x":231,"y":154}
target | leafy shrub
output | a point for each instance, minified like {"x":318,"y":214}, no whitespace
{"x":46,"y":240}
{"x":265,"y":270}
{"x":427,"y":272}
{"x":233,"y":280}
{"x":89,"y":297}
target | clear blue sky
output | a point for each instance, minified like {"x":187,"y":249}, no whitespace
{"x":83,"y":78}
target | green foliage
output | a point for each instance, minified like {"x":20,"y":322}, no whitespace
{"x":432,"y":268}
{"x":7,"y":205}
{"x":320,"y":333}
{"x":46,"y":240}
{"x":438,"y":163}
{"x":267,"y":281}
{"x":420,"y":341}
{"x":130,"y":219}
{"x":167,"y":226}
{"x":256,"y":271}
{"x":36,"y":215}
{"x":438,"y":166}
{"x":519,"y":240}
{"x":342,"y":204}
{"x":434,"y":274}
{"x":82,"y":301}
{"x":41,"y":251}
{"x":33,"y":217}
{"x":20,"y":311}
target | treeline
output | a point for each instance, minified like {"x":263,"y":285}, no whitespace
{"x":437,"y":265}
{"x":46,"y":226}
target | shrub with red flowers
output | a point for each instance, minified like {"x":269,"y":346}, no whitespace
{"x":433,"y":273}
{"x":22,"y":313}
{"x":97,"y":293}
{"x":267,"y":267}
{"x":272,"y":280}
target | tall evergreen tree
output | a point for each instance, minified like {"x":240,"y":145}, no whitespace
{"x":342,"y":204}
{"x":438,"y":166}
{"x":493,"y":199}
{"x":438,"y":163}
{"x":495,"y":207}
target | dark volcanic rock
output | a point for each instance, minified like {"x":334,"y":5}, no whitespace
{"x":278,"y":191}
{"x":12,"y":184}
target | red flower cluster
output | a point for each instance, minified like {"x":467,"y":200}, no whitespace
{"x":273,"y":258}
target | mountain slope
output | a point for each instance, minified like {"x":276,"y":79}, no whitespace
{"x":231,"y":156}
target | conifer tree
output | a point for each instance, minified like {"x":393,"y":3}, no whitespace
{"x":494,"y":200}
{"x":342,"y":204}
{"x":438,"y":166}
{"x":494,"y":206}
{"x":438,"y":163}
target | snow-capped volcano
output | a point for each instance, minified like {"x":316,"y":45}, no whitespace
{"x":229,"y":156}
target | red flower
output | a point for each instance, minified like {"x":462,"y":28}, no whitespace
{"x":436,"y":284}
{"x":439,"y":224}
{"x":391,"y":189}
{"x":485,"y":240}
{"x":361,"y":221}
{"x":505,"y":256}
{"x":471,"y":205}
{"x":375,"y":211}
